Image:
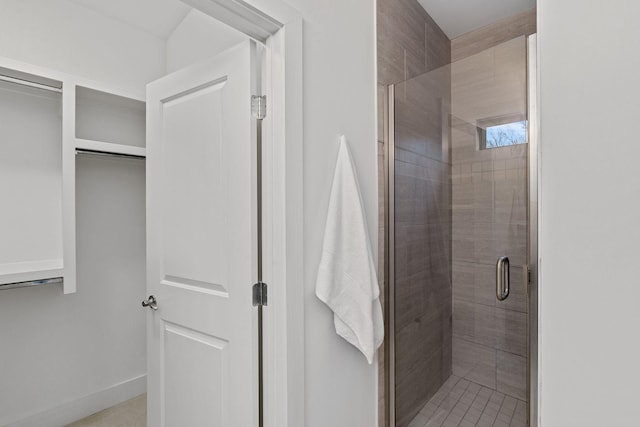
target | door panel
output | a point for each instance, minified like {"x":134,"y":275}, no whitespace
{"x":189,"y":394}
{"x":193,"y":225}
{"x":201,"y":244}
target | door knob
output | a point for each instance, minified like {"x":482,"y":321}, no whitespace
{"x":150,"y":302}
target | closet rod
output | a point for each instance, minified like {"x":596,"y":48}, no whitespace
{"x":30,"y":83}
{"x":108,"y":154}
{"x":29,"y":283}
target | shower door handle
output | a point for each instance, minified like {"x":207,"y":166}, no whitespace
{"x":502,"y":278}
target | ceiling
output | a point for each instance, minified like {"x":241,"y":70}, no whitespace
{"x":457,"y":17}
{"x":166,"y":15}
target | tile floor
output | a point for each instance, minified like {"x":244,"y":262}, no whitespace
{"x":132,"y":413}
{"x":462,"y":403}
{"x":458,"y":403}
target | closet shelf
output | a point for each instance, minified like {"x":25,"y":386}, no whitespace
{"x":30,"y":283}
{"x":12,"y":274}
{"x":109,"y":147}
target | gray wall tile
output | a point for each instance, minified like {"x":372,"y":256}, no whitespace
{"x":474,"y":362}
{"x":406,"y":30}
{"x":511,"y":374}
{"x":410,"y":44}
{"x":492,"y":35}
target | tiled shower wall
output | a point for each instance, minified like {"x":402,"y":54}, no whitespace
{"x":455,"y":209}
{"x":423,"y":292}
{"x":410,"y":44}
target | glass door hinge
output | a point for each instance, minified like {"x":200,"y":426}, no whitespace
{"x":260,"y":294}
{"x":526,"y":277}
{"x":259,"y":106}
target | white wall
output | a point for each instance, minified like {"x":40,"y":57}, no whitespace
{"x":590,"y":212}
{"x":198,"y":37}
{"x":339,"y":98}
{"x":68,"y":354}
{"x":70,"y":38}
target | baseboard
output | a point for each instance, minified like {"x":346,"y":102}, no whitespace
{"x":77,"y":409}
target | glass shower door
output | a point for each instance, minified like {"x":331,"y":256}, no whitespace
{"x":490,"y":226}
{"x":460,"y":204}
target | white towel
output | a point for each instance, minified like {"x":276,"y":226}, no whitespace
{"x":347,"y":280}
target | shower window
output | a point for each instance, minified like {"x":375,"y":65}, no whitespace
{"x":502,"y":132}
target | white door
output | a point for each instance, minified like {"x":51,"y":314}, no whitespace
{"x":201,"y":240}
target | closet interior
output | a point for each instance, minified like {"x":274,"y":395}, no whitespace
{"x":72,"y":179}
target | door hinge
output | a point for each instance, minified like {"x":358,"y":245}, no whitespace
{"x":526,"y":277}
{"x":260,"y":294}
{"x":259,"y":106}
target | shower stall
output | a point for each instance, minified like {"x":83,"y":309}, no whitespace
{"x":460,"y":163}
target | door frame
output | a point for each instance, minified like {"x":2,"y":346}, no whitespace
{"x":533,"y":177}
{"x":278,"y":26}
